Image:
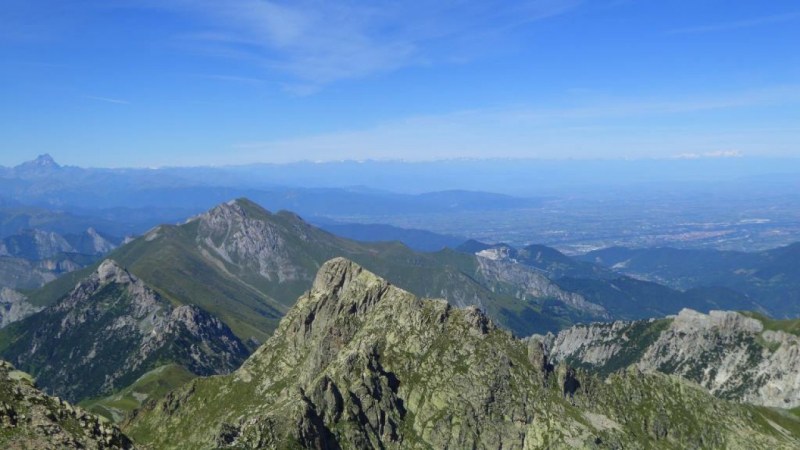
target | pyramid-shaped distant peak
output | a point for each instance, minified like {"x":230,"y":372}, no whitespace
{"x":44,"y":161}
{"x":42,"y":165}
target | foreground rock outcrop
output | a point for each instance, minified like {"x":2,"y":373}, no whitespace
{"x":359,"y":363}
{"x":30,"y":419}
{"x":733,"y":355}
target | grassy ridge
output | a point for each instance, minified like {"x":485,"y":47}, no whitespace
{"x":152,"y":385}
{"x":786,"y":325}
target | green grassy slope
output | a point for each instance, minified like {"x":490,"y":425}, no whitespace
{"x":151,"y":386}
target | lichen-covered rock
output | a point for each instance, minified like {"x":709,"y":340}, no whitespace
{"x":358,"y":363}
{"x":30,"y":419}
{"x":730,"y":354}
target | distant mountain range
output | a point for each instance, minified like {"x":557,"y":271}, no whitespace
{"x":44,"y":183}
{"x":36,"y":245}
{"x":771,"y":278}
{"x":530,"y":201}
{"x":34,"y":257}
{"x":510,"y":176}
{"x":621,"y":296}
{"x":419,"y":240}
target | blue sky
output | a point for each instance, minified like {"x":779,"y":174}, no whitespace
{"x":116,"y":83}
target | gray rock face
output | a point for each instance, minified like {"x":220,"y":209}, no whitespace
{"x":14,"y":306}
{"x":18,"y":273}
{"x":35,"y":245}
{"x":531,"y":284}
{"x":730,"y":354}
{"x":34,"y":257}
{"x":98,"y":244}
{"x":236,"y":238}
{"x":596,"y":344}
{"x":111,"y":329}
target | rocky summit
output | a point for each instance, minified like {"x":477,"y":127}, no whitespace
{"x":736,"y":356}
{"x":359,"y":363}
{"x":109,"y":330}
{"x":30,"y":419}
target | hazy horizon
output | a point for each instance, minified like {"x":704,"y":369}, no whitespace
{"x":711,"y":157}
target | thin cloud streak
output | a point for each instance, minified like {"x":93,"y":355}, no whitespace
{"x":737,"y":25}
{"x":718,"y":154}
{"x":107,"y":100}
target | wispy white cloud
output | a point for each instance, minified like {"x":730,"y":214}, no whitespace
{"x":107,"y":100}
{"x":713,"y":154}
{"x":739,"y":24}
{"x":321,"y":42}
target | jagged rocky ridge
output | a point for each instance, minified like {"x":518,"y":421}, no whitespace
{"x":731,"y":354}
{"x":29,"y":419}
{"x":359,"y":363}
{"x":599,"y":291}
{"x":110,"y":329}
{"x":529,"y":284}
{"x":548,"y":260}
